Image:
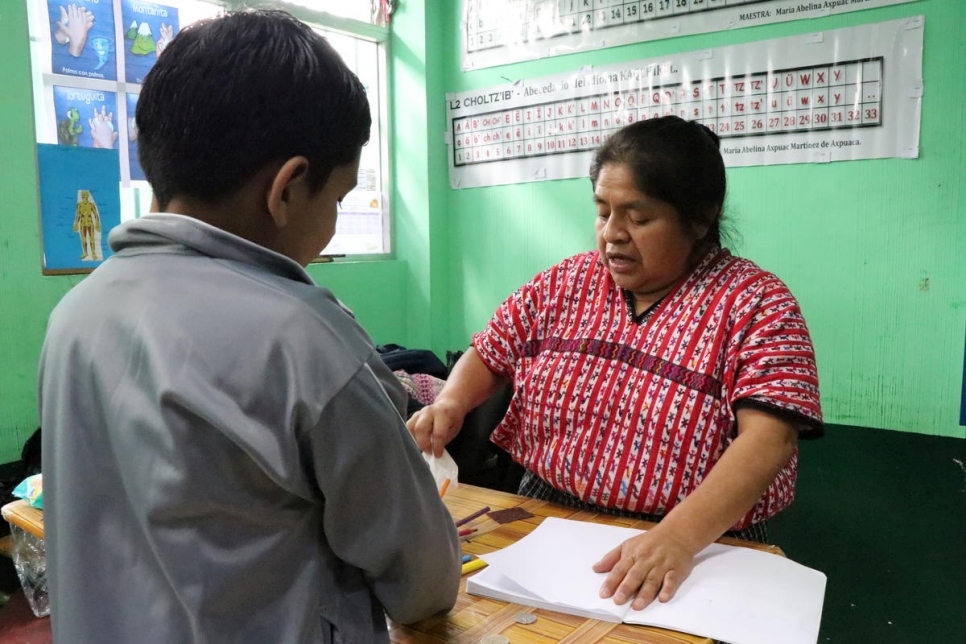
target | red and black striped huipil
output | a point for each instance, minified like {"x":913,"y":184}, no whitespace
{"x":633,"y":414}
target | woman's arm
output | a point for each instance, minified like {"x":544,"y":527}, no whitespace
{"x":470,"y":383}
{"x":662,"y":558}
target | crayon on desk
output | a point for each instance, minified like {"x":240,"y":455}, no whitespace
{"x":472,"y":566}
{"x":476,"y":514}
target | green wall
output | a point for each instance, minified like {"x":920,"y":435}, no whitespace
{"x":874,"y":250}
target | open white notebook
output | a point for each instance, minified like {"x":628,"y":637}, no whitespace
{"x":736,"y":595}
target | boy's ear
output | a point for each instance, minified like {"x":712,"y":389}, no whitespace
{"x":288,"y":186}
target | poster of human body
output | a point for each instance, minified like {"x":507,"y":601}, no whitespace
{"x":79,"y":205}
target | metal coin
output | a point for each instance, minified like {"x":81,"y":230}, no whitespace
{"x":494,"y":638}
{"x":525,"y":618}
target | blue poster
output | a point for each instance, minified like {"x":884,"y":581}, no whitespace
{"x":79,"y":204}
{"x":148,"y":28}
{"x":137,"y":174}
{"x":82,"y":38}
{"x":85,"y":117}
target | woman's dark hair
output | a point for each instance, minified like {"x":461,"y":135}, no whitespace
{"x":232,"y":94}
{"x":676,"y":161}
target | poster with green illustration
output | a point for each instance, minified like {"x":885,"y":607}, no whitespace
{"x":148,"y":28}
{"x":85,"y":117}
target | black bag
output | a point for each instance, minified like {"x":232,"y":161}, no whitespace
{"x":412,"y":360}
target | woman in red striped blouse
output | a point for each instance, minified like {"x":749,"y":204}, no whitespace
{"x":659,"y":376}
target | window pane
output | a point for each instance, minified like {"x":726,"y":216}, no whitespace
{"x":355,"y":9}
{"x":361,"y":223}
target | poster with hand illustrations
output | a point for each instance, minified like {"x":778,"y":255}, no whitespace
{"x":148,"y":28}
{"x":82,"y":38}
{"x":86,"y":117}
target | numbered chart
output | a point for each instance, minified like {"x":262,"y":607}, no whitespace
{"x":851,"y":93}
{"x":497,"y":32}
{"x":823,"y":97}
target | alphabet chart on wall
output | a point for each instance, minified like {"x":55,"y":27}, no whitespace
{"x":497,"y":32}
{"x":852,"y":93}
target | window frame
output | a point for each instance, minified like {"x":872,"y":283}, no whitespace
{"x":380,"y":36}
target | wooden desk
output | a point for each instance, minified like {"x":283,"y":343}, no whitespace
{"x":20,"y":514}
{"x":474,"y":617}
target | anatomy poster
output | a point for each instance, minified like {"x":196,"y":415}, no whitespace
{"x":79,"y":205}
{"x":838,"y":95}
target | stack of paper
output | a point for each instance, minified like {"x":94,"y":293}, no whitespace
{"x":733,"y":594}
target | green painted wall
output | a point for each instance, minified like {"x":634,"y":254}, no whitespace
{"x":874,"y":250}
{"x":25,"y":296}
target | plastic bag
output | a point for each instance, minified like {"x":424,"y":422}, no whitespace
{"x":31,"y":489}
{"x":30,"y":561}
{"x":443,"y":469}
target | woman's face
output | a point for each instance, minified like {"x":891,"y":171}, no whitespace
{"x":641,"y":240}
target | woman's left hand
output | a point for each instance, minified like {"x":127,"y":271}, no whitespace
{"x":654,"y":564}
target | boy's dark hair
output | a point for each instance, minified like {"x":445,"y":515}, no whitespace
{"x":673,"y":160}
{"x":233,"y":94}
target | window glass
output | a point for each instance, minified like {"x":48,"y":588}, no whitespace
{"x":355,"y":9}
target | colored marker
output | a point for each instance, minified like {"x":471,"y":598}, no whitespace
{"x":442,"y":490}
{"x":466,"y":559}
{"x":467,"y":531}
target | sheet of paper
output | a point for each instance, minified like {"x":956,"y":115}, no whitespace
{"x":743,"y":596}
{"x":556,"y":560}
{"x":490,"y":582}
{"x":734,"y":594}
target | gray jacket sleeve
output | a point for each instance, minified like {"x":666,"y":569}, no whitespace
{"x":382,"y":511}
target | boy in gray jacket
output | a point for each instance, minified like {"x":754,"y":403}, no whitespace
{"x":224,"y":456}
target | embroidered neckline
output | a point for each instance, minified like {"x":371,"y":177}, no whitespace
{"x":643,"y":316}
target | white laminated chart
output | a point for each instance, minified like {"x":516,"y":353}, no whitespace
{"x":847,"y":94}
{"x":498,"y":32}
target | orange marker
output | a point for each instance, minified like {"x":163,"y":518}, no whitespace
{"x":442,"y":490}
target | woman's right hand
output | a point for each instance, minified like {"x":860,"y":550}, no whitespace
{"x":434,"y":426}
